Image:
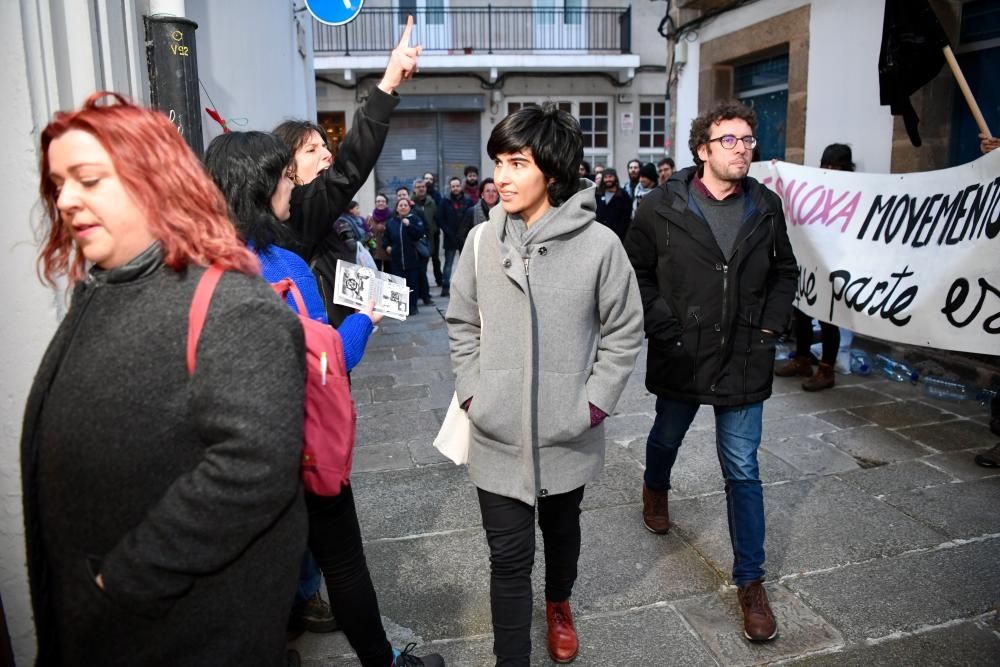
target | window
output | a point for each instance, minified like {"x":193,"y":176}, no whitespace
{"x":593,"y":117}
{"x":335,"y":124}
{"x":652,"y":126}
{"x":548,"y":12}
{"x":763,"y":86}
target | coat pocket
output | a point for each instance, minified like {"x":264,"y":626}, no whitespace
{"x":496,"y":408}
{"x":563,"y":408}
{"x":759,"y":363}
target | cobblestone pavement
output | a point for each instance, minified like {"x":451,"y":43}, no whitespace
{"x":883,"y":536}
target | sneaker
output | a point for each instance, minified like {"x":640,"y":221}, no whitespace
{"x":655,"y":512}
{"x":758,"y":619}
{"x":796,"y":366}
{"x":316,"y":615}
{"x":428,"y":302}
{"x":407,"y":659}
{"x":990,"y":458}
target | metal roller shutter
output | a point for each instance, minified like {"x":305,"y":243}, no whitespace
{"x":411,"y":135}
{"x":460,"y":146}
{"x":440,"y":142}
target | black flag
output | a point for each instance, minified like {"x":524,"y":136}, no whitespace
{"x":912,"y":43}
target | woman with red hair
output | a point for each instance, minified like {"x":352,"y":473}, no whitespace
{"x":163,"y":510}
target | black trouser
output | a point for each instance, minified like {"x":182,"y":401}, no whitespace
{"x":425,"y":286}
{"x":829,"y":334}
{"x":435,"y":257}
{"x":335,"y":542}
{"x":510,"y":532}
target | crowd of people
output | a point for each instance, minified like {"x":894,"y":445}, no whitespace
{"x":166,"y":518}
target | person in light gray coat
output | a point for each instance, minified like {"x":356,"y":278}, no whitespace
{"x":545,"y":328}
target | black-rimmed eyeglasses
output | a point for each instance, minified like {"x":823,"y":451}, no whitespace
{"x":728,"y":141}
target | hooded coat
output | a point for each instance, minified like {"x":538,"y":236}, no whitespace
{"x":704,"y":310}
{"x":560,"y":330}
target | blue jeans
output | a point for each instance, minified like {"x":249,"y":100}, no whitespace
{"x":310,"y":579}
{"x":449,"y":260}
{"x":737,"y":437}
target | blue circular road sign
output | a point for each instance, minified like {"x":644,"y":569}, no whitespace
{"x":334,"y":12}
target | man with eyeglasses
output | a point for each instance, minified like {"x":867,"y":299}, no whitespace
{"x":717,"y":278}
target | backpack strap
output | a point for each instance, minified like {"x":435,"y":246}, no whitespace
{"x":199,"y":311}
{"x":286,"y":285}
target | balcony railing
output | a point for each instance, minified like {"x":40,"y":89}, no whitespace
{"x":483,"y":30}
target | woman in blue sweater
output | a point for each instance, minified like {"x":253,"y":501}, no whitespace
{"x":255,"y":172}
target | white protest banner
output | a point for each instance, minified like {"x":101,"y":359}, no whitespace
{"x":910,"y":258}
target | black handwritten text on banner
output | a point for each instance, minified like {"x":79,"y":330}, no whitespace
{"x":913,"y":258}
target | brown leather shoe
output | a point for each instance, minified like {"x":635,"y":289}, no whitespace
{"x":655,"y":514}
{"x":758,"y":619}
{"x":800,"y":366}
{"x":823,"y":379}
{"x":563,"y":644}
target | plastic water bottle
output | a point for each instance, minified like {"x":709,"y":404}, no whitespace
{"x":860,"y":363}
{"x":948,"y":390}
{"x":895,"y":370}
{"x":986,"y":396}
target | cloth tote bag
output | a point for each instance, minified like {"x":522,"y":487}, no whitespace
{"x":456,"y":431}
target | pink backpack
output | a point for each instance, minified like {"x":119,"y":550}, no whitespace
{"x":328,"y":434}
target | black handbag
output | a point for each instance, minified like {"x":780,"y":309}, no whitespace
{"x":423,"y":247}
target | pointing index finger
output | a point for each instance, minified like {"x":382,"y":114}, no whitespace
{"x":404,"y":39}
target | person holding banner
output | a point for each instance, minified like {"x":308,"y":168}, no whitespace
{"x":717,"y":277}
{"x":837,"y":157}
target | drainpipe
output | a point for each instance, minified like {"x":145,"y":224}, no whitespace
{"x":172,"y":59}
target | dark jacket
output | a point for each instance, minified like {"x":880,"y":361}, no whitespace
{"x":617,"y":213}
{"x":703,"y":311}
{"x":183,"y":493}
{"x":317,"y":205}
{"x":450,"y":214}
{"x":428,"y":211}
{"x":474,"y":215}
{"x":403,"y":241}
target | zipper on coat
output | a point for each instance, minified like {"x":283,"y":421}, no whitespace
{"x":525,"y":267}
{"x":725,"y":300}
{"x":697,"y":348}
{"x":746,"y":359}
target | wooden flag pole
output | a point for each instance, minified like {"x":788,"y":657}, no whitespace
{"x":966,"y":92}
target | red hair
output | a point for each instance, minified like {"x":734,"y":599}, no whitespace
{"x":184,"y":209}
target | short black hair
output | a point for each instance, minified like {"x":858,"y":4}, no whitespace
{"x":666,"y":161}
{"x":246,"y":166}
{"x":402,"y":187}
{"x":483,"y":183}
{"x":470,"y":169}
{"x":454,"y":178}
{"x":837,"y":156}
{"x":556,"y":143}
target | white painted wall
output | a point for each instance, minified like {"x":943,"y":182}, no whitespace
{"x":843,"y":102}
{"x":248,"y":60}
{"x":55,"y":53}
{"x":842,"y":105}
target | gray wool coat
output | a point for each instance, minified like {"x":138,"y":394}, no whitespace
{"x":561,"y":328}
{"x":183,"y":492}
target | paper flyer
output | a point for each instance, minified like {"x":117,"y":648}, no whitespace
{"x":356,"y":285}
